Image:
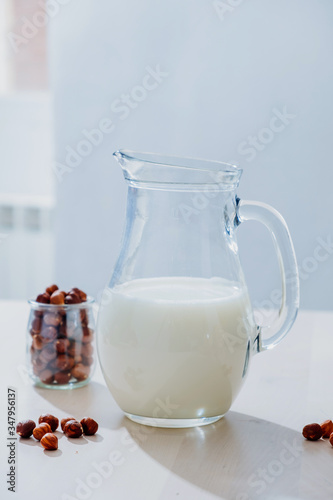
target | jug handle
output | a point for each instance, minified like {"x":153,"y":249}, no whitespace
{"x":273,"y":220}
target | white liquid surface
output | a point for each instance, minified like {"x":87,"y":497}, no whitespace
{"x":175,"y":347}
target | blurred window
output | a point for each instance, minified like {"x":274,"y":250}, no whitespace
{"x":26,"y":179}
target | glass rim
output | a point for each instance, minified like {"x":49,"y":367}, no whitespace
{"x":82,"y":305}
{"x":153,"y":168}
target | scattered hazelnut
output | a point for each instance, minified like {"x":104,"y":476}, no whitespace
{"x":40,"y":431}
{"x":312,"y":432}
{"x":89,"y":426}
{"x":57,"y":297}
{"x":49,"y":441}
{"x":331,"y":439}
{"x":43,"y":298}
{"x":73,"y":429}
{"x":51,"y":289}
{"x":327,"y":428}
{"x":25,"y":428}
{"x":65,"y":420}
{"x":49,"y":419}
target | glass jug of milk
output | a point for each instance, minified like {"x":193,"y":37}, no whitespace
{"x":176,"y":330}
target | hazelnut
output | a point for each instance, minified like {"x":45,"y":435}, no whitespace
{"x":37,"y":342}
{"x":62,"y":377}
{"x":51,"y":289}
{"x":43,"y":298}
{"x":49,"y":333}
{"x":62,"y":345}
{"x":64,"y":362}
{"x":25,"y":428}
{"x":89,"y":426}
{"x":80,"y":293}
{"x":48,"y":353}
{"x":88,"y":335}
{"x":72,"y":298}
{"x":327,"y":428}
{"x":49,"y":419}
{"x":77,"y":358}
{"x":33,"y":353}
{"x":63,"y":329}
{"x":49,"y":441}
{"x":46,"y":376}
{"x":331,"y":439}
{"x":57,"y":297}
{"x":312,"y":432}
{"x":87,"y":360}
{"x":87,"y":350}
{"x":73,"y":429}
{"x":65,"y":420}
{"x":38,"y":365}
{"x":81,"y":371}
{"x":74,"y":349}
{"x":51,"y":319}
{"x":36,"y":325}
{"x":84,"y":317}
{"x":74,"y":333}
{"x":40,"y":431}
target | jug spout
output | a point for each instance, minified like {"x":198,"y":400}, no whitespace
{"x":175,"y":172}
{"x":121,"y":157}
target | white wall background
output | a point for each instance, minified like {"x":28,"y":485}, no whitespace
{"x":226,"y":75}
{"x":26,"y":194}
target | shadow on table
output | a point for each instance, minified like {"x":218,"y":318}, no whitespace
{"x":241,"y":458}
{"x":93,"y":400}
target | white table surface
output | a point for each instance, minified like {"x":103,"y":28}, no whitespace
{"x":255,"y":452}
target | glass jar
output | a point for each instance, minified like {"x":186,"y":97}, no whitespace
{"x":60,"y":344}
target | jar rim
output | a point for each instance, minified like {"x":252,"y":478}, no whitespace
{"x":40,"y":305}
